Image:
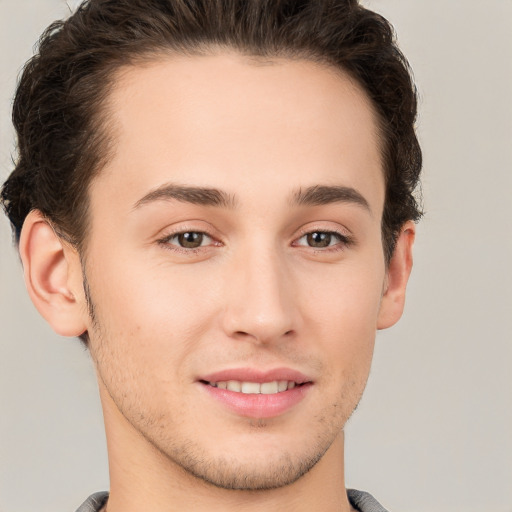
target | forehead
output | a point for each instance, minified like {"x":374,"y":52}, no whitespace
{"x":241,"y":123}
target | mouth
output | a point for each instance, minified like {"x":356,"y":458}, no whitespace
{"x":257,"y":394}
{"x":255,"y":388}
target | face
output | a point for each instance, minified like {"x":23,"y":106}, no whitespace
{"x":235,"y":264}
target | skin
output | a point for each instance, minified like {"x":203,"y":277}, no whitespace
{"x":257,"y":293}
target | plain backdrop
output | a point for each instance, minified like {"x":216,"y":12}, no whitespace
{"x":434,"y":430}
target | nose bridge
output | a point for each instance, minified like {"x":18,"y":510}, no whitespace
{"x":261,"y":302}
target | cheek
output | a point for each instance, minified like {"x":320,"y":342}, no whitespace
{"x":151,"y":318}
{"x":340,"y":312}
{"x":345,"y":298}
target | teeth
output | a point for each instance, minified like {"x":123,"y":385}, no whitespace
{"x":234,"y":385}
{"x":269,"y":388}
{"x":282,"y":385}
{"x":250,"y":388}
{"x":255,"y":388}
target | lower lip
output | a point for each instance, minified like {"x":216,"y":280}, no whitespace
{"x":258,"y":405}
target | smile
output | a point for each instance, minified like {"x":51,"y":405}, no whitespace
{"x":257,"y":394}
{"x":255,"y":388}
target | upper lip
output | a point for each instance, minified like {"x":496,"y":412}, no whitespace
{"x":256,"y":375}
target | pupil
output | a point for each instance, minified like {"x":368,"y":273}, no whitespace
{"x":190,"y":240}
{"x":319,"y":239}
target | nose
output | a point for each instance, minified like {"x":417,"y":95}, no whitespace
{"x":260,"y":299}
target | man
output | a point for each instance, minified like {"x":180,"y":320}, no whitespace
{"x":216,"y":196}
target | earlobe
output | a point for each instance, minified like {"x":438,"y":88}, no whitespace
{"x":397,"y":276}
{"x":50,"y":271}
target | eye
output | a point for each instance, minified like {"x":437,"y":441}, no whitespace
{"x":322,"y":239}
{"x":189,"y":239}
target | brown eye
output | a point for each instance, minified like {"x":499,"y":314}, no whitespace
{"x":190,"y":239}
{"x":319,"y":239}
{"x":186,"y":242}
{"x":323,"y":240}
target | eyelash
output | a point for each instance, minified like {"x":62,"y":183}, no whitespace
{"x":344,"y":241}
{"x":165,"y":242}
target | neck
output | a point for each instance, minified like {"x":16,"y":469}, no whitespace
{"x":143,"y":478}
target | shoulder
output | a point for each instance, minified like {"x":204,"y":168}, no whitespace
{"x":94,"y":502}
{"x":364,"y":502}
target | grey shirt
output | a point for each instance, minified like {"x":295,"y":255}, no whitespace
{"x":361,"y":501}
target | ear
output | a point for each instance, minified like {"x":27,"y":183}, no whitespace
{"x":52,"y":274}
{"x":397,"y":275}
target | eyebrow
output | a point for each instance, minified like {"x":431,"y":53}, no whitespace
{"x":316,"y":195}
{"x":319,"y":195}
{"x":203,"y":196}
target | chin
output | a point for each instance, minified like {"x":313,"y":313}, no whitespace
{"x":257,"y":463}
{"x":229,"y":474}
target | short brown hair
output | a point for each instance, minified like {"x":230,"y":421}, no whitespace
{"x":62,"y":138}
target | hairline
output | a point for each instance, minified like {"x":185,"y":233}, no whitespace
{"x":102,"y":119}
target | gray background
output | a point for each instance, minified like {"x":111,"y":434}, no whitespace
{"x":434,"y":430}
